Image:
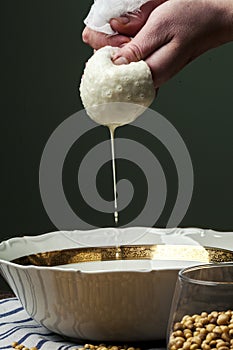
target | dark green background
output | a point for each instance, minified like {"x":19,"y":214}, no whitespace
{"x":42,"y":59}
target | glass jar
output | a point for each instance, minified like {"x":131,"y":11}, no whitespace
{"x":201,"y":315}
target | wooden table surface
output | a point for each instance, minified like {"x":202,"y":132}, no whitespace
{"x":5,"y":295}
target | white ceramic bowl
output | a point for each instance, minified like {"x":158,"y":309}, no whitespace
{"x":123,"y":300}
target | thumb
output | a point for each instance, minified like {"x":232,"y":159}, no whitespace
{"x":130,"y":23}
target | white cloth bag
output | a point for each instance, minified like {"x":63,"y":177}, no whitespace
{"x":103,"y":10}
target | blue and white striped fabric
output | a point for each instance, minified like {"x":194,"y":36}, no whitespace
{"x":16,"y":325}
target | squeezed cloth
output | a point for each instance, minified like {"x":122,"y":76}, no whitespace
{"x":103,"y":10}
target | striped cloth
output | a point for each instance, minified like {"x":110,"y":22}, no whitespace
{"x":16,"y":325}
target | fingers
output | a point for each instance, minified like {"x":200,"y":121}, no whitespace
{"x":156,"y":33}
{"x":97,"y":40}
{"x":131,"y":23}
{"x":127,"y":26}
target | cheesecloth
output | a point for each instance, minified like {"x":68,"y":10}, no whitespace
{"x":103,"y":10}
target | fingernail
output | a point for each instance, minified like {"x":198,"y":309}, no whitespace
{"x":121,"y":60}
{"x":122,"y":19}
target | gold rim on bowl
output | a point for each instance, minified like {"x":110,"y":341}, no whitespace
{"x":130,"y":252}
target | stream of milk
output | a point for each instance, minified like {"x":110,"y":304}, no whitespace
{"x":112,"y":128}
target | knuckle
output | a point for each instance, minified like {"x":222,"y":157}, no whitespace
{"x":85,"y":35}
{"x":135,"y":52}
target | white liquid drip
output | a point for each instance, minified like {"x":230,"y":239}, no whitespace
{"x":112,"y":130}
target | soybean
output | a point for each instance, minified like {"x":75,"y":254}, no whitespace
{"x":205,"y":331}
{"x":18,"y":346}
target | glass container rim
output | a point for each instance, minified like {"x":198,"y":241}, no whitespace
{"x":183,"y":277}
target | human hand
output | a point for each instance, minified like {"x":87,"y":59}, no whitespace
{"x":171,"y":34}
{"x":177,"y":32}
{"x":126,"y":26}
